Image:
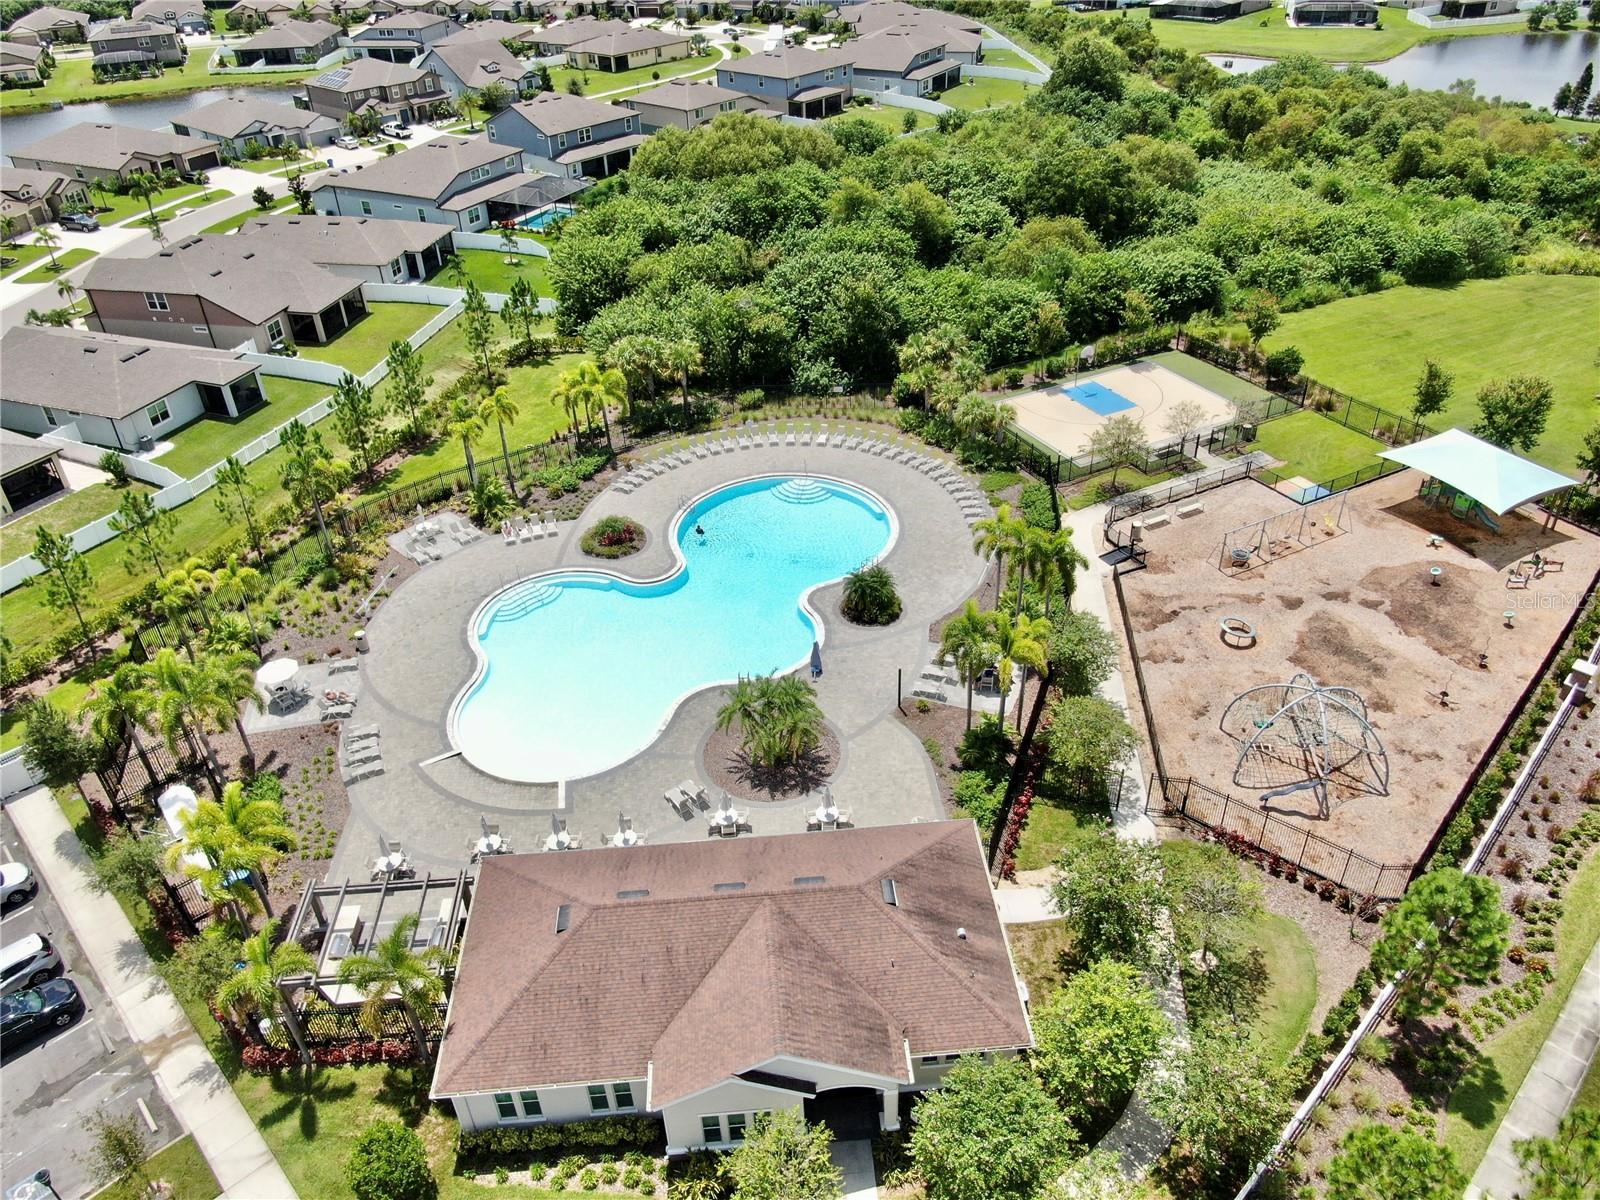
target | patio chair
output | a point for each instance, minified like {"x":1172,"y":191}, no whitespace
{"x":789,"y":438}
{"x":505,"y":533}
{"x":693,"y":792}
{"x":843,"y":821}
{"x":1518,"y":577}
{"x":550,"y":527}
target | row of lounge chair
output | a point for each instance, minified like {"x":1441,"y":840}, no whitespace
{"x":528,"y":529}
{"x":974,"y":506}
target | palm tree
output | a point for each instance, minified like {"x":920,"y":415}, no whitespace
{"x":391,"y":970}
{"x":642,"y":357}
{"x":239,"y":583}
{"x":178,"y":593}
{"x":1017,"y":639}
{"x":965,"y":643}
{"x":236,"y":839}
{"x":256,"y":986}
{"x":121,"y":706}
{"x":499,"y":406}
{"x":145,"y":186}
{"x":778,"y":717}
{"x":51,"y":241}
{"x":202,"y":695}
{"x":311,"y":475}
{"x":1055,"y":562}
{"x":465,"y":421}
{"x":997,"y":536}
{"x":8,"y":230}
{"x":588,"y":388}
{"x":683,"y":358}
{"x":569,"y":396}
{"x":68,"y":291}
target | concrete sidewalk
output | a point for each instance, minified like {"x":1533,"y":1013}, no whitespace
{"x":184,"y":1070}
{"x":1548,"y":1091}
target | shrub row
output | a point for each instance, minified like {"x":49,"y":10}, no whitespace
{"x":1309,"y":1060}
{"x":265,"y":1059}
{"x":601,"y":1133}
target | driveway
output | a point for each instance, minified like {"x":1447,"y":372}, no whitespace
{"x":53,"y":1085}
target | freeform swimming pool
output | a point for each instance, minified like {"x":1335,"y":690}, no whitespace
{"x":580,"y":670}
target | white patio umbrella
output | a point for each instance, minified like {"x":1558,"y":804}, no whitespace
{"x":276,"y":674}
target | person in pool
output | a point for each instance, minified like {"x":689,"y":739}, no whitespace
{"x":699,"y":529}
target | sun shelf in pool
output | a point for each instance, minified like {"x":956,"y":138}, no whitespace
{"x":580,"y":670}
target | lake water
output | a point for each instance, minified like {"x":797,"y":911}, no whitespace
{"x":21,"y":128}
{"x":1516,"y":66}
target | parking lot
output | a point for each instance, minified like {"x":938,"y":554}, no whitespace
{"x":51,"y":1086}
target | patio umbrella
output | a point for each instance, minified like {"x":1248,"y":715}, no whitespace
{"x":816,"y":659}
{"x":276,"y":674}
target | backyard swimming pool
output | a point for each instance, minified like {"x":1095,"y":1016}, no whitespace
{"x":580,"y":670}
{"x":547,"y":216}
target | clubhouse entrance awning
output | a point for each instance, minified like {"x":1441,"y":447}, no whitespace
{"x":1495,"y":478}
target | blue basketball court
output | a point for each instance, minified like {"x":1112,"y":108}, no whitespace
{"x":1098,"y":398}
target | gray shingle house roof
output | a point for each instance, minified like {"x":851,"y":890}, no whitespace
{"x":790,"y":62}
{"x":424,"y":171}
{"x":106,"y":146}
{"x":339,"y":241}
{"x":291,"y":35}
{"x":232,"y":115}
{"x":557,"y":112}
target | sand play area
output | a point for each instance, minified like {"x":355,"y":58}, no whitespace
{"x":1350,"y":598}
{"x":1064,"y":424}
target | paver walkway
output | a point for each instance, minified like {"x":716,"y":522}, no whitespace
{"x":184,"y":1070}
{"x":1549,"y":1090}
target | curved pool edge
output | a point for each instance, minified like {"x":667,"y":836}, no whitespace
{"x":481,"y":660}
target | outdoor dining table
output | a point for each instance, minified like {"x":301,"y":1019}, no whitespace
{"x":390,"y":864}
{"x":558,"y":841}
{"x":492,"y":844}
{"x":826,"y":814}
{"x":625,"y":837}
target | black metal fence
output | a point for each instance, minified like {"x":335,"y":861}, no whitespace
{"x":1283,"y":842}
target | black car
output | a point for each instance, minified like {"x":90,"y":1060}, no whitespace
{"x":54,"y":1004}
{"x":79,"y":222}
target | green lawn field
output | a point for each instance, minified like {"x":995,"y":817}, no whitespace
{"x":359,"y":348}
{"x":1291,"y":994}
{"x":597,"y":83}
{"x":182,"y":1165}
{"x":1372,"y":347}
{"x":1007,"y":58}
{"x":65,"y":260}
{"x":229,"y":224}
{"x":490,"y":270}
{"x":113,"y":210}
{"x":63,"y":515}
{"x":211,"y":439}
{"x":1309,"y":444}
{"x":972,"y":94}
{"x":73,"y":80}
{"x":1269,"y":35}
{"x":892,"y":119}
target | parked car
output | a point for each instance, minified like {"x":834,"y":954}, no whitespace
{"x":345,"y":142}
{"x":394,"y":129}
{"x":27,"y":962}
{"x":17,"y":884}
{"x":79,"y":222}
{"x":54,"y":1004}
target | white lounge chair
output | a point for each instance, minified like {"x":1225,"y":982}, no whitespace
{"x":505,"y":533}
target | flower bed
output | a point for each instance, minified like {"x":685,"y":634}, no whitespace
{"x":613,"y":537}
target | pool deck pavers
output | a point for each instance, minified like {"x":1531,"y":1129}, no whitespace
{"x":419,"y":659}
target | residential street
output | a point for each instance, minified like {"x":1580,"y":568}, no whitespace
{"x":53,"y":1085}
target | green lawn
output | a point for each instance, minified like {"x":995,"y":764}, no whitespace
{"x":974,"y":93}
{"x":231,"y":223}
{"x":1058,"y":818}
{"x":1310,"y":444}
{"x":211,"y":439}
{"x":892,"y":119}
{"x":1291,"y":993}
{"x":493,"y":274}
{"x":1372,"y":347}
{"x":1007,"y":58}
{"x":1128,"y":479}
{"x":597,"y":83}
{"x":1269,"y":35}
{"x":73,"y":80}
{"x":63,"y":515}
{"x":180,"y":1164}
{"x":113,"y":210}
{"x":1479,"y":1105}
{"x":65,"y":260}
{"x":68,"y":696}
{"x":1039,"y":948}
{"x":23,"y":254}
{"x":1215,"y":379}
{"x":359,"y":348}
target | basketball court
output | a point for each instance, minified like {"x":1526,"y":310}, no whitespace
{"x":1064,"y":416}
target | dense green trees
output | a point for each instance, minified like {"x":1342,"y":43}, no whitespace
{"x":784,"y":1158}
{"x":1095,"y":1035}
{"x":1448,"y":930}
{"x":1378,"y":1162}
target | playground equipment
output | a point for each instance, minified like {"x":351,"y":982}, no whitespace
{"x":1303,"y":736}
{"x":1283,"y":533}
{"x":1436,"y":493}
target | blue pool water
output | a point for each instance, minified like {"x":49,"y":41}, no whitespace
{"x":579,"y":670}
{"x":547,"y":216}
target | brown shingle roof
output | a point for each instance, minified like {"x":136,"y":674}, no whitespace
{"x":806,"y":959}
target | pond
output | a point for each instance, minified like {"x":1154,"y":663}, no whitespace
{"x":1515,"y":66}
{"x":155,"y":113}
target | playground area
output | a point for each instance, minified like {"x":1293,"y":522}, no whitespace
{"x":1415,"y":631}
{"x":1065,"y":415}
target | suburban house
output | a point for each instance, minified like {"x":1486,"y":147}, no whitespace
{"x":1468,"y":9}
{"x":685,"y":103}
{"x":265,"y":12}
{"x":135,"y":43}
{"x":1333,"y":12}
{"x":370,"y":85}
{"x":403,"y":36}
{"x":568,"y":135}
{"x":561,"y":37}
{"x":186,"y":16}
{"x":465,"y":183}
{"x":363,"y":248}
{"x":48,"y":25}
{"x":288,"y":43}
{"x":236,"y":121}
{"x":963,"y":36}
{"x":518,"y":33}
{"x":19,"y":62}
{"x":383,"y":8}
{"x":97,"y":150}
{"x":120,"y":392}
{"x":908,"y":59}
{"x":841,"y":973}
{"x":29,"y":471}
{"x":1205,"y":10}
{"x":797,"y":82}
{"x":35,"y":198}
{"x":470,"y":63}
{"x":623,"y":51}
{"x":219,"y":292}
{"x":499,"y":10}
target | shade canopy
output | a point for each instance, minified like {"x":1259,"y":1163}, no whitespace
{"x":1497,"y":479}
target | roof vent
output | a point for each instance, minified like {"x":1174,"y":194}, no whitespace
{"x":564,"y":918}
{"x":633,"y":894}
{"x":891,"y":893}
{"x":728,"y":887}
{"x":809,"y":880}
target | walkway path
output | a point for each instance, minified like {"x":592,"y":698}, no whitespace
{"x":1548,"y":1091}
{"x":854,"y":1158}
{"x":184,"y":1070}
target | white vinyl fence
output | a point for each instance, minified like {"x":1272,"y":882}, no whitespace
{"x":985,"y":71}
{"x":493,"y":241}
